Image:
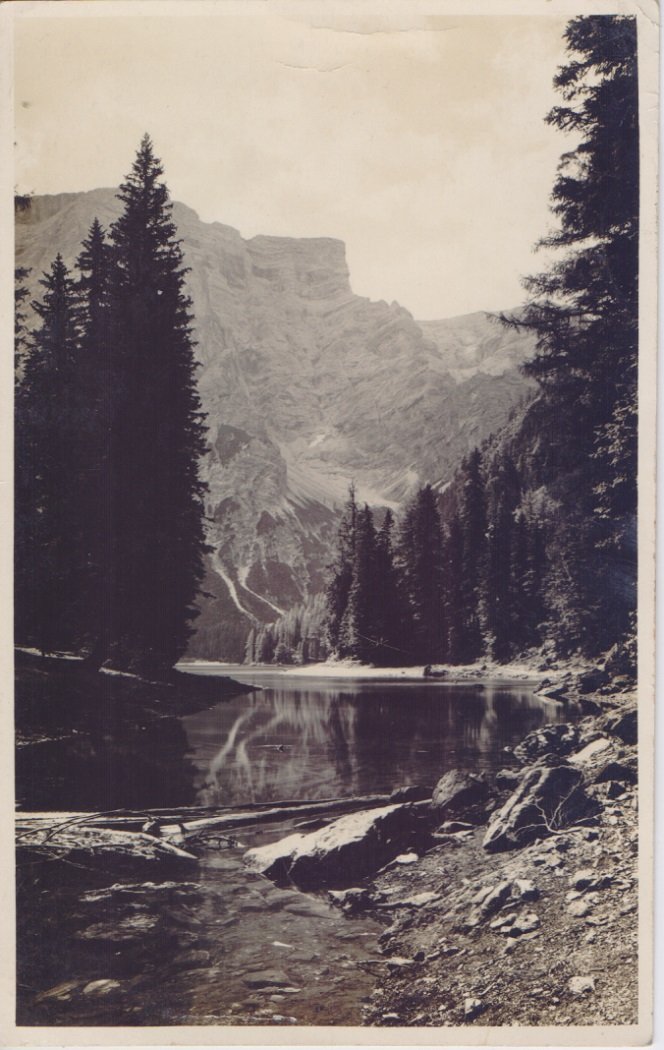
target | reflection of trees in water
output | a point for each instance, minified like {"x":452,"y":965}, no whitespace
{"x":316,"y":732}
{"x":108,"y":764}
{"x":292,"y":743}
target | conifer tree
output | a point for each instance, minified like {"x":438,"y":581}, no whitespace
{"x":387,"y":612}
{"x":420,"y":571}
{"x":96,"y":381}
{"x":498,"y":591}
{"x":584,"y":311}
{"x":472,"y":517}
{"x":21,"y":273}
{"x":453,"y":647}
{"x":157,"y":433}
{"x":49,"y":472}
{"x":357,"y":632}
{"x":341,"y":572}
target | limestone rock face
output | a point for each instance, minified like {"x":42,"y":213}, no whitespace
{"x":548,"y":799}
{"x":306,"y":386}
{"x":346,"y":850}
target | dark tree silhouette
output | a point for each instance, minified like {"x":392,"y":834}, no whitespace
{"x":156,"y":539}
{"x":49,"y":471}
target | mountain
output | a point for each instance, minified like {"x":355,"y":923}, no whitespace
{"x":307,"y":386}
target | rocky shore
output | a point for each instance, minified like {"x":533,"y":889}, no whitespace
{"x":509,"y":899}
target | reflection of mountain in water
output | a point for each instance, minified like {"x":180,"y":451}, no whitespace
{"x":289,"y":743}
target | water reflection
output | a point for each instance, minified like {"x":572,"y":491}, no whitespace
{"x":319,"y":739}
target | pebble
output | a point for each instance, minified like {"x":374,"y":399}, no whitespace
{"x":472,"y":1007}
{"x":581,"y":985}
{"x":390,"y":1018}
{"x":579,"y":909}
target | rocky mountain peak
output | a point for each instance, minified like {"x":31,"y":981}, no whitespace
{"x":307,"y":387}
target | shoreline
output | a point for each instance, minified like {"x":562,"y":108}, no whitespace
{"x":440,"y":674}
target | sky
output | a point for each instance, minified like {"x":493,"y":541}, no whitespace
{"x":417,"y":139}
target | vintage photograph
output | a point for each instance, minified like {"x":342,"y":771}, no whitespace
{"x":333,"y":466}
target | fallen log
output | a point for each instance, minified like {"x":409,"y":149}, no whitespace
{"x":192,"y":820}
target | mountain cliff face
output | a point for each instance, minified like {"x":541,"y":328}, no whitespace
{"x":307,"y":387}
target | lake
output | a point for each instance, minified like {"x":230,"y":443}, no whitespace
{"x":301,"y":738}
{"x":226,"y":946}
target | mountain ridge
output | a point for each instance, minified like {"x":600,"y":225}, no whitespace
{"x":307,"y":387}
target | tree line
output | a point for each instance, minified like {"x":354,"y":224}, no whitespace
{"x":109,"y":433}
{"x":534,"y":540}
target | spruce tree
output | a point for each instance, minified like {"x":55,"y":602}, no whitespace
{"x":341,"y":572}
{"x":584,"y":311}
{"x":21,"y":343}
{"x":498,"y":592}
{"x":387,"y":615}
{"x":472,"y":517}
{"x":96,"y":381}
{"x":357,"y":632}
{"x":50,"y":472}
{"x":157,"y":438}
{"x":419,"y":561}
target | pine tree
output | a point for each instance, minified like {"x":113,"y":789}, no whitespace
{"x":453,"y":648}
{"x":341,"y":572}
{"x":387,"y":614}
{"x":156,"y":536}
{"x":498,"y":592}
{"x":472,"y":517}
{"x":584,"y":311}
{"x":96,"y":381}
{"x":419,"y":562}
{"x":357,"y":632}
{"x":49,"y":472}
{"x":21,"y":273}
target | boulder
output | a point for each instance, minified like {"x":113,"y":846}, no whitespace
{"x":624,"y":726}
{"x":548,"y":798}
{"x":348,"y":849}
{"x":457,"y":792}
{"x":617,"y":771}
{"x":592,"y":680}
{"x":556,"y":740}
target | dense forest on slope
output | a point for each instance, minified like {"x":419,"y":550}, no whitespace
{"x":534,"y":542}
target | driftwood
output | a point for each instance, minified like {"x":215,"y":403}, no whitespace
{"x":188,"y":821}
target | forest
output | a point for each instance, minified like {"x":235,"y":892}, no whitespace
{"x":109,"y":541}
{"x":532,"y":545}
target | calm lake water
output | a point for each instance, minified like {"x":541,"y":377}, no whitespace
{"x":301,"y":738}
{"x":199,"y":952}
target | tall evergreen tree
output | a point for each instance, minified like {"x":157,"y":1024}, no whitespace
{"x":157,"y":434}
{"x":503,"y":496}
{"x":341,"y":572}
{"x":96,"y":381}
{"x":452,"y":560}
{"x":357,"y":632}
{"x":584,"y":311}
{"x":388,"y":617}
{"x":21,"y":273}
{"x":420,"y":569}
{"x":472,"y":517}
{"x":49,"y":472}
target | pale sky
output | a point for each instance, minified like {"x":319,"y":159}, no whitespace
{"x":417,"y":140}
